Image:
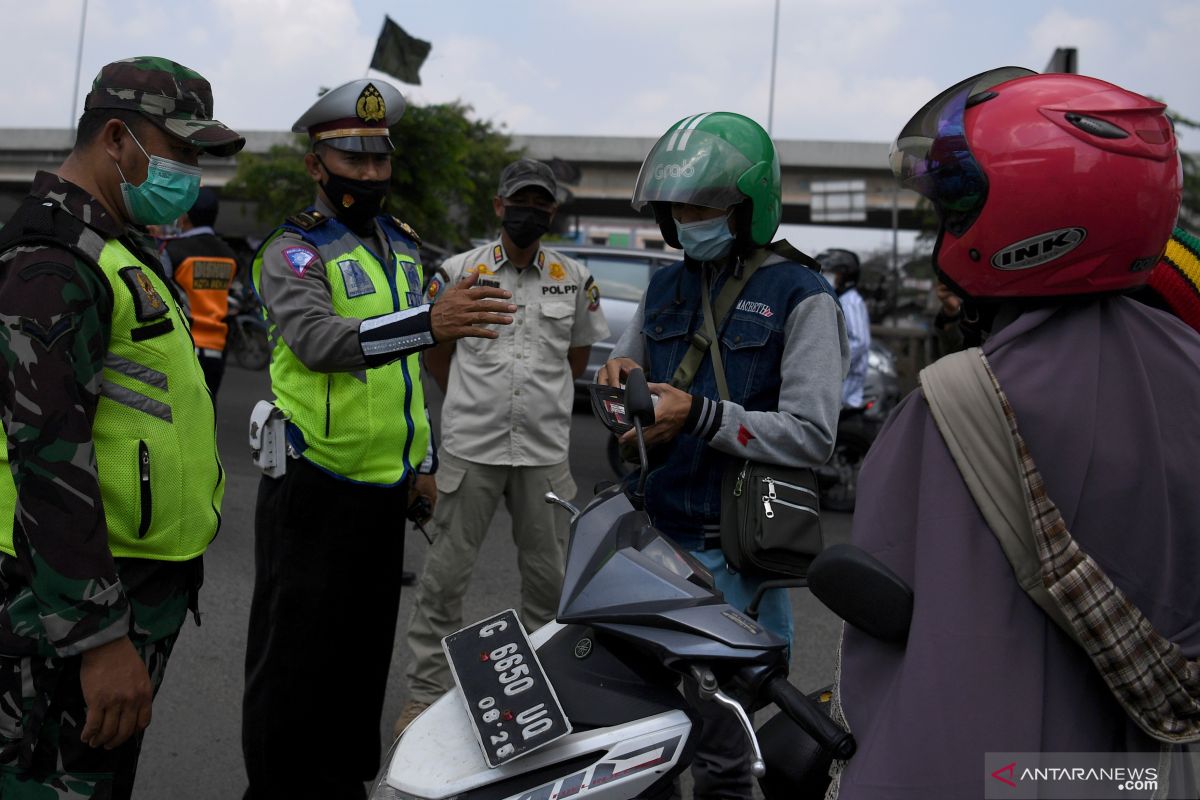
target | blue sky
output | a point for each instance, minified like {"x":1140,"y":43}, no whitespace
{"x":847,"y":69}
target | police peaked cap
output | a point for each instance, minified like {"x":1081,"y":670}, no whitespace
{"x":354,"y":117}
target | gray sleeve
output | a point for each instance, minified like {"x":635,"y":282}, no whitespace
{"x":630,"y":344}
{"x":801,"y":433}
{"x":299,"y":302}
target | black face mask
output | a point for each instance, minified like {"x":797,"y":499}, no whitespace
{"x":355,"y":202}
{"x":525,"y":224}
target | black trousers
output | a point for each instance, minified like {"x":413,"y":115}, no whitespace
{"x":327,"y":558}
{"x":214,"y":370}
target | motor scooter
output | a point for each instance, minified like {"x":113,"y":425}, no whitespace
{"x":591,"y":705}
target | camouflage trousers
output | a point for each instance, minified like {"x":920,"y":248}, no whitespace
{"x":42,"y":714}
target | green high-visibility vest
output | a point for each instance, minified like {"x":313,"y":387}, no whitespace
{"x":154,"y":432}
{"x":369,"y":425}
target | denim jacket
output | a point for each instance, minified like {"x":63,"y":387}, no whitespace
{"x":684,"y":483}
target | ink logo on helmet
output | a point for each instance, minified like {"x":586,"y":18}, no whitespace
{"x":1040,"y":249}
{"x":664,"y":171}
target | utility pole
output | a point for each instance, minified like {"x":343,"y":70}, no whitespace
{"x":78,"y":66}
{"x":774,"y":55}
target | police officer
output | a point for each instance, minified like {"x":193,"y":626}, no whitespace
{"x":104,"y":410}
{"x":341,"y":283}
{"x":506,"y":422}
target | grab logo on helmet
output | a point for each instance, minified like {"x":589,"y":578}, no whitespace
{"x":664,"y":171}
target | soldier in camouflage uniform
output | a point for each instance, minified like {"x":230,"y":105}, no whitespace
{"x":104,"y":410}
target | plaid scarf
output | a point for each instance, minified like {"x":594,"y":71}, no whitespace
{"x":1150,"y":677}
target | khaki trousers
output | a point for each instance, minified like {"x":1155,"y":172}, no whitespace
{"x":468,"y":493}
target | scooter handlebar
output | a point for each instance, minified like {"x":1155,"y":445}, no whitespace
{"x":809,"y":716}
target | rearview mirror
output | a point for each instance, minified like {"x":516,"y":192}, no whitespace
{"x":861,"y":590}
{"x":638,"y":403}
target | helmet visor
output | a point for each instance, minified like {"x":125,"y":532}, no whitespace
{"x":691,"y":166}
{"x":931,"y":155}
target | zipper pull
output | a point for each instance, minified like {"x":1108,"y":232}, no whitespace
{"x":144,"y":464}
{"x":770,"y":482}
{"x":737,"y":487}
{"x":770,"y":512}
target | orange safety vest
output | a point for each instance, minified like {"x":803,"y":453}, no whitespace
{"x":204,"y":268}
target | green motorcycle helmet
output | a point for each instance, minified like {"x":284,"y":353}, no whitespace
{"x":717,"y":160}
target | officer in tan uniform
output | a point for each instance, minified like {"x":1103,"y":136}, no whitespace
{"x":506,"y":422}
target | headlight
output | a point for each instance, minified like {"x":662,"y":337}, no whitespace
{"x":384,"y":792}
{"x":381,"y":789}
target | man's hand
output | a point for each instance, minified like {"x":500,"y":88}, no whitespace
{"x":117,"y":692}
{"x":465,"y":308}
{"x":951,"y":303}
{"x":614,"y":371}
{"x":670,"y":412}
{"x":424,"y":486}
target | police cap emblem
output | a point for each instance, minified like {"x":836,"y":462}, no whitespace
{"x":370,"y":106}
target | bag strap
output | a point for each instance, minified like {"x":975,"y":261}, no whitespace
{"x":705,"y":338}
{"x":958,"y":390}
{"x":710,"y":333}
{"x":1147,"y":674}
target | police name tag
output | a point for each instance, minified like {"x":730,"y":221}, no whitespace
{"x":511,"y":704}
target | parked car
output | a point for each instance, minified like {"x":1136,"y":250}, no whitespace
{"x":622,"y":275}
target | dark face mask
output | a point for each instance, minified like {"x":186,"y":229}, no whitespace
{"x":525,"y":224}
{"x":355,"y":202}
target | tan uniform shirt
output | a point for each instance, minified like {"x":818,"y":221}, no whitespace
{"x":509,"y":399}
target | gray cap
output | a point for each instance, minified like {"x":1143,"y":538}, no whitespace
{"x":527,"y":172}
{"x":355,"y":116}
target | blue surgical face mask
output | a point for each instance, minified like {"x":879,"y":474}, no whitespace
{"x":169,"y":191}
{"x":707,"y":239}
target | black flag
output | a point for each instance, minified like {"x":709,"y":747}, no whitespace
{"x":398,"y":54}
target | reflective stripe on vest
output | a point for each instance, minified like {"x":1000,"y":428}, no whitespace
{"x":367,"y":426}
{"x":154,"y":432}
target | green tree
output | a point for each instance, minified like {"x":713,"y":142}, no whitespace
{"x":275,"y":180}
{"x":444,"y":174}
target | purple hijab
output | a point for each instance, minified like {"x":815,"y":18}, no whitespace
{"x":1107,"y":395}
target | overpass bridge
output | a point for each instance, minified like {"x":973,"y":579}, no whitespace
{"x":824,"y":182}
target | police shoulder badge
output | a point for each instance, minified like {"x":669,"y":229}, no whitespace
{"x":557,"y":272}
{"x":435,"y":288}
{"x":592,"y":290}
{"x":497,"y":254}
{"x":408,"y":230}
{"x":370,"y":106}
{"x":298,"y":258}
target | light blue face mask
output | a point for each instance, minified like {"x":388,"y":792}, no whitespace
{"x":705,"y":240}
{"x":169,"y":191}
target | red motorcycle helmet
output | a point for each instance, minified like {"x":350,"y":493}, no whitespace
{"x":1044,"y":185}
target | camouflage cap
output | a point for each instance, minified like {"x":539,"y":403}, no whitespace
{"x":170,"y":95}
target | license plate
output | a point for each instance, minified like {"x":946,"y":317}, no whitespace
{"x":511,"y":704}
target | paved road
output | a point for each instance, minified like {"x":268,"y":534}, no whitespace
{"x":193,"y":748}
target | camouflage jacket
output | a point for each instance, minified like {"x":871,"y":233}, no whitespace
{"x":64,"y":592}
